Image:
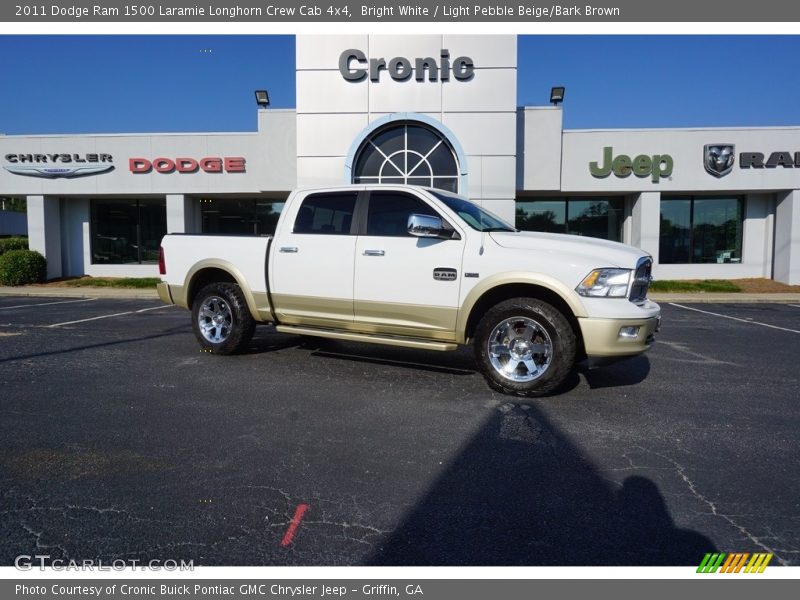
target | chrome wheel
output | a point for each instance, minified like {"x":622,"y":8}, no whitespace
{"x":215,"y":319}
{"x":520,"y":349}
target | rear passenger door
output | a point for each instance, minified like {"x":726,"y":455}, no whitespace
{"x":395,"y":290}
{"x":312,"y":268}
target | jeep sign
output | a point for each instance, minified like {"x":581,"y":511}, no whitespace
{"x":655,"y":166}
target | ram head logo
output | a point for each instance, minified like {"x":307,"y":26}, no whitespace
{"x":719,"y":158}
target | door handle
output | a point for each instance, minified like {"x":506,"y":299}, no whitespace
{"x":374,"y":253}
{"x":290,"y":249}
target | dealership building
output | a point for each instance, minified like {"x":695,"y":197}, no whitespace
{"x":433,"y":110}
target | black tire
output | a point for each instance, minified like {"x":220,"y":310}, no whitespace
{"x":527,"y":325}
{"x":234,"y":325}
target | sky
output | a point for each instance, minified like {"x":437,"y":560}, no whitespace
{"x":118,"y":84}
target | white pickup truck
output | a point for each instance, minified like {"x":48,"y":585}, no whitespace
{"x":420,"y":268}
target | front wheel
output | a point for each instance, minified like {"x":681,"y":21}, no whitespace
{"x":525,"y":347}
{"x":221,"y":320}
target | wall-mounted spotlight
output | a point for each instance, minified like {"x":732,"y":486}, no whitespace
{"x":557,"y":95}
{"x":262,"y":98}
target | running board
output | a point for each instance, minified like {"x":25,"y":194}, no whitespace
{"x":366,"y":337}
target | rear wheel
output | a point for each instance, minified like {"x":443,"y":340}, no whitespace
{"x":221,"y":320}
{"x":525,"y":347}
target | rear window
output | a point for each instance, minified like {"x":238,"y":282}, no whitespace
{"x":326,"y":214}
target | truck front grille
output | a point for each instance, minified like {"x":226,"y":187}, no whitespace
{"x":641,"y":280}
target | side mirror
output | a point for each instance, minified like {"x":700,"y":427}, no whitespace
{"x":425,"y":226}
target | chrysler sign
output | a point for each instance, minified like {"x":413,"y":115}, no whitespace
{"x":58,"y":165}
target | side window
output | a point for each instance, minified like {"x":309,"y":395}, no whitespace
{"x":326,"y":214}
{"x":389,"y":211}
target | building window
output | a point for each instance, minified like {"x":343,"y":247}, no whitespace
{"x":701,"y":230}
{"x":592,"y":217}
{"x":407,"y":152}
{"x":13,"y":204}
{"x":240,"y":216}
{"x":127,"y":231}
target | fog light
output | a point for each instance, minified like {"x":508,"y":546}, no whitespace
{"x":629,"y":332}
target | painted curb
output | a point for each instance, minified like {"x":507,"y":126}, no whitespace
{"x":57,"y":292}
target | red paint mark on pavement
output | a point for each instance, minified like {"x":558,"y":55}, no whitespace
{"x":294,"y":524}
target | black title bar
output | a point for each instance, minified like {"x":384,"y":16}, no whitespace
{"x":337,"y":11}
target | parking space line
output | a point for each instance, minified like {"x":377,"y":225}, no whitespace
{"x":708,"y":312}
{"x":48,"y":303}
{"x":795,"y":305}
{"x":294,"y":524}
{"x":130,"y":312}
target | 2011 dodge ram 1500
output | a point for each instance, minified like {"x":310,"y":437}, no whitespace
{"x":421,"y":268}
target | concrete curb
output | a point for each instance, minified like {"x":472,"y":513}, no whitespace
{"x":725,"y":298}
{"x":77,"y":292}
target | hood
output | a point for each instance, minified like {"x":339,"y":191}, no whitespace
{"x":603,"y":252}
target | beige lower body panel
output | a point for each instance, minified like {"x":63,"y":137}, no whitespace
{"x":172,"y":294}
{"x":371,"y":318}
{"x":412,"y":320}
{"x":164,"y":293}
{"x":601,"y":336}
{"x":261,"y":302}
{"x":313,"y":311}
{"x":414,"y":316}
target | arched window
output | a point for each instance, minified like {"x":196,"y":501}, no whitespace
{"x":407,"y":152}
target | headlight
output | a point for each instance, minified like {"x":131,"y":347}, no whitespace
{"x":605,"y":283}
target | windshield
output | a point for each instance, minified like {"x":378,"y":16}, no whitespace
{"x":472,"y":214}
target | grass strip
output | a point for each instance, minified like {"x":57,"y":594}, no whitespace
{"x":115,"y":282}
{"x":703,"y":285}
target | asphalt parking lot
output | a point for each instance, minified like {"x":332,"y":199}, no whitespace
{"x":119,"y":439}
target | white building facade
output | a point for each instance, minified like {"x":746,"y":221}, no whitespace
{"x":434,"y":110}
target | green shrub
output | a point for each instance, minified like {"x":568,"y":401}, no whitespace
{"x":13,"y":243}
{"x":19,"y":267}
